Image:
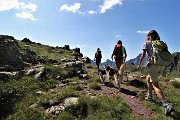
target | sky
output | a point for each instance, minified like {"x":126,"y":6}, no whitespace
{"x":92,"y":24}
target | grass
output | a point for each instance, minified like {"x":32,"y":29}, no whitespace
{"x":98,"y":109}
{"x":17,"y":95}
{"x":171,"y":91}
{"x":27,"y":114}
{"x":48,"y":51}
{"x":94,"y":85}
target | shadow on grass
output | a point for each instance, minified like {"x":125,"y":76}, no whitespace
{"x":7,"y":101}
{"x":125,"y":91}
{"x":109,"y":84}
{"x":138,"y":84}
{"x":176,"y":115}
{"x":128,"y":92}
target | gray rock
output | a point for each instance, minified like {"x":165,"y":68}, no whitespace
{"x":70,"y":101}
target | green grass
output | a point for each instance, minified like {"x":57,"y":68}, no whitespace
{"x":17,"y":95}
{"x":94,"y":85}
{"x":63,"y":73}
{"x":45,"y":50}
{"x":171,"y":91}
{"x":27,"y":114}
{"x":98,"y":109}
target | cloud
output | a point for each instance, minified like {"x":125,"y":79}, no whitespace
{"x":8,"y":4}
{"x":92,"y":12}
{"x":74,"y":8}
{"x":81,"y":45}
{"x":25,"y":15}
{"x":108,"y":4}
{"x":143,"y":32}
{"x":31,"y":7}
{"x":117,"y":36}
{"x":26,"y":9}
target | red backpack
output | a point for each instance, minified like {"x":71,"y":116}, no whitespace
{"x":118,"y":51}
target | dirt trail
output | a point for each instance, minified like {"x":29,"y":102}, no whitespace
{"x":131,"y":98}
{"x":137,"y":107}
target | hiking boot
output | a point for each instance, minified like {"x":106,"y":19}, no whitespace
{"x":148,"y":97}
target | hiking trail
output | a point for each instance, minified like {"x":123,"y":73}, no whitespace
{"x":130,"y":95}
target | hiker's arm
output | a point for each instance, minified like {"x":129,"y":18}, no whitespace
{"x":95,"y":57}
{"x":113,"y":54}
{"x":141,"y":58}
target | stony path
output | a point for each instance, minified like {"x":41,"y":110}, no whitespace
{"x":137,"y":107}
{"x":130,"y":97}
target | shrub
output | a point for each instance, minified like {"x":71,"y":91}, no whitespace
{"x":27,"y":114}
{"x":76,"y":87}
{"x":94,"y":85}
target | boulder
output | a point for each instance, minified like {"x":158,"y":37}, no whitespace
{"x":10,"y":54}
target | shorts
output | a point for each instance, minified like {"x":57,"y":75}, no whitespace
{"x":120,"y":66}
{"x":154,"y":71}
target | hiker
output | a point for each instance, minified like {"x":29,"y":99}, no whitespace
{"x":153,"y":70}
{"x":119,"y":54}
{"x":97,"y":58}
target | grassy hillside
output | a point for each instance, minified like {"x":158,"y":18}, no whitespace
{"x":18,"y":96}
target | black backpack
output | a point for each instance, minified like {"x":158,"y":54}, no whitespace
{"x":98,"y":55}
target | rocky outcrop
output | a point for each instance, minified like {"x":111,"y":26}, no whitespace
{"x":38,"y":71}
{"x":11,"y":75}
{"x":10,"y":54}
{"x":86,"y":59}
{"x":77,"y":65}
{"x":29,"y":56}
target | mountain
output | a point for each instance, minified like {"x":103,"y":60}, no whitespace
{"x":109,"y":62}
{"x":136,"y":60}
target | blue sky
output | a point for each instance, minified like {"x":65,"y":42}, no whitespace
{"x":92,"y":24}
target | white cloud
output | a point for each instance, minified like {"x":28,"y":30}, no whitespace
{"x":117,"y":36}
{"x":143,"y":32}
{"x":108,"y":4}
{"x":26,"y":9}
{"x":8,"y":4}
{"x":92,"y":12}
{"x":25,"y":15}
{"x":14,"y":4}
{"x":81,"y":45}
{"x":74,"y":8}
{"x":32,"y":7}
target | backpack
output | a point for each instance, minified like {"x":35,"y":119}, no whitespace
{"x":161,"y":54}
{"x":118,"y":51}
{"x":98,"y":55}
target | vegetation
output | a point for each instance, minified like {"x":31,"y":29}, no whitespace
{"x":16,"y":96}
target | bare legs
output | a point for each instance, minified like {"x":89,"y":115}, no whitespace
{"x":156,"y":87}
